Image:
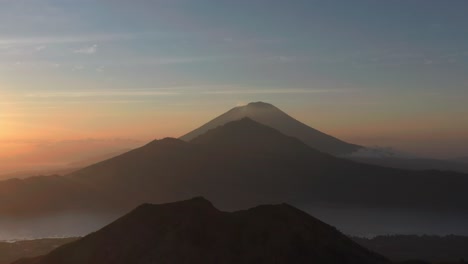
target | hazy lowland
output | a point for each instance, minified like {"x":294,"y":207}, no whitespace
{"x":12,"y":251}
{"x":194,"y":230}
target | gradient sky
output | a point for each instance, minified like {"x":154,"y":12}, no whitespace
{"x":372,"y":72}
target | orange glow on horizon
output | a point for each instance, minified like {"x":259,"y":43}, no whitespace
{"x":35,"y":134}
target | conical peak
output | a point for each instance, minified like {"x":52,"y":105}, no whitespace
{"x":257,"y":107}
{"x":271,"y":116}
{"x":260,"y":104}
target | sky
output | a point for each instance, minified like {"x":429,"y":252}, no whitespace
{"x":118,"y":73}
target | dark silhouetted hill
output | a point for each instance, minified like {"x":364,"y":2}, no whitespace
{"x":33,"y":173}
{"x":271,"y":116}
{"x":194,"y":231}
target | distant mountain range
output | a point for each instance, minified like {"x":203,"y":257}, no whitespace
{"x":12,"y":251}
{"x":237,"y":165}
{"x":271,"y":116}
{"x":59,"y":170}
{"x":194,"y":231}
{"x":415,"y":163}
{"x":434,"y":249}
{"x":63,"y":169}
{"x":462,"y":159}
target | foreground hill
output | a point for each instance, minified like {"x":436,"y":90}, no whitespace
{"x":271,"y":116}
{"x":237,"y":165}
{"x":194,"y":231}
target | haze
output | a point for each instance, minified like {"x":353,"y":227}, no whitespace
{"x":102,"y":76}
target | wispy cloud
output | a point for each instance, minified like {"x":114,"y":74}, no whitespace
{"x":174,"y":91}
{"x":40,"y":48}
{"x":176,"y":60}
{"x":277,"y":91}
{"x":105,"y":93}
{"x":87,"y":50}
{"x":78,"y":68}
{"x":39,"y":41}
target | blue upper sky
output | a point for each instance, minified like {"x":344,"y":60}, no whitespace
{"x":336,"y":65}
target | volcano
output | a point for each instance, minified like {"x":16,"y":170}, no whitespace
{"x":271,"y":116}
